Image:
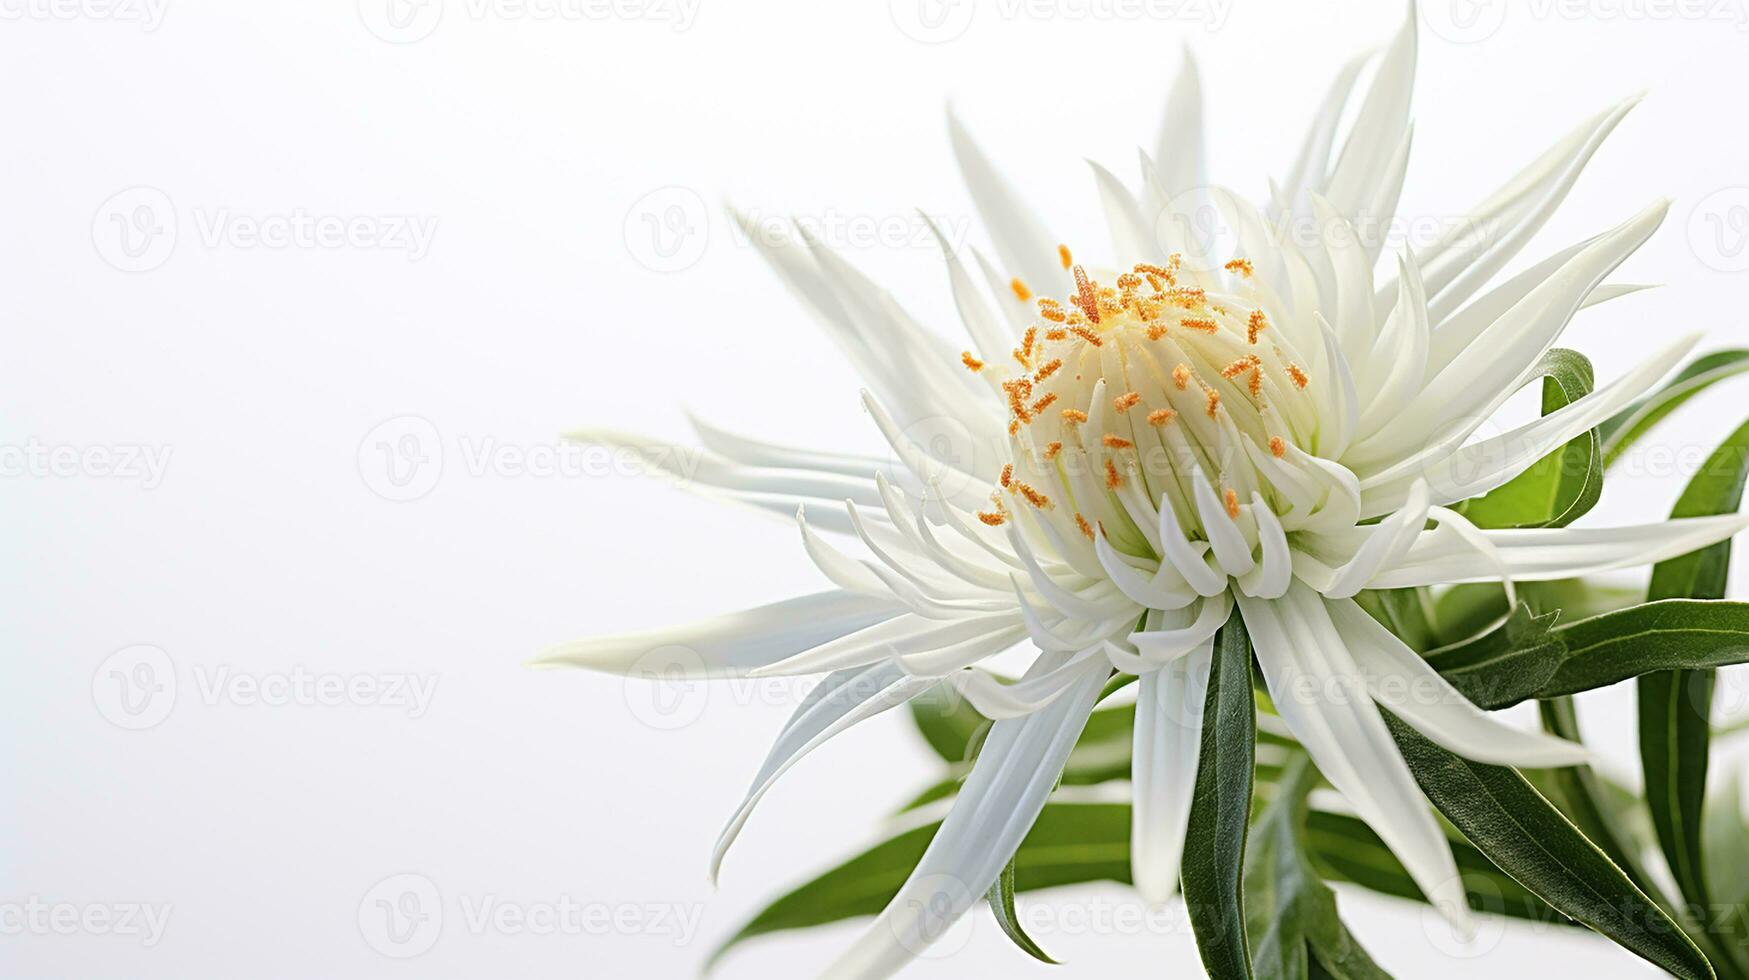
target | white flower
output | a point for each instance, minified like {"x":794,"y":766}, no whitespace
{"x":1237,"y":415}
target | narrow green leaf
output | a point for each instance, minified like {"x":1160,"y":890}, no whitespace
{"x":1344,"y":848}
{"x":1623,"y":430}
{"x":1523,"y":659}
{"x":1519,"y":830}
{"x":1070,"y":843}
{"x":1565,"y":484}
{"x":1578,"y":791}
{"x":1289,"y":911}
{"x":1670,"y":634}
{"x":1220,"y":809}
{"x":1001,"y":900}
{"x":1676,"y":706}
{"x":1507,"y":664}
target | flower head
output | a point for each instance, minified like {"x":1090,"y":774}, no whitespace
{"x":1238,"y":421}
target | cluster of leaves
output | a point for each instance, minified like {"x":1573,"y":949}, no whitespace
{"x":1559,"y":846}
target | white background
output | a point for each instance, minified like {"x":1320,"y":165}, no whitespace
{"x":529,"y":143}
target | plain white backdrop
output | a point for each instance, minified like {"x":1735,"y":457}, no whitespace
{"x":297,"y":298}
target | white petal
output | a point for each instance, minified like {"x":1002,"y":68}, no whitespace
{"x":1178,"y":156}
{"x":1398,"y":678}
{"x":1314,"y":685}
{"x":1555,"y":553}
{"x":728,"y":645}
{"x":1482,"y":466}
{"x":1015,"y":771}
{"x":1167,"y":748}
{"x":1026,"y":249}
{"x":841,"y":700}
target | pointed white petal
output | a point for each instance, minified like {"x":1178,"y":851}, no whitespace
{"x":1167,"y":749}
{"x":1001,"y":799}
{"x":728,"y":645}
{"x":1314,"y":684}
{"x":1398,"y":678}
{"x":841,"y":700}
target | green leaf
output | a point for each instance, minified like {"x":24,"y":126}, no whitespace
{"x":1523,"y":659}
{"x":1344,"y":848}
{"x":1579,"y":792}
{"x":1676,"y":706}
{"x":1623,"y":430}
{"x":1220,"y":809}
{"x":1289,"y":911}
{"x":1727,"y":844}
{"x":948,"y":722}
{"x":1562,"y":486}
{"x":1070,"y":843}
{"x":1507,"y":664}
{"x":1669,"y":634}
{"x":1001,"y":899}
{"x":1519,"y":830}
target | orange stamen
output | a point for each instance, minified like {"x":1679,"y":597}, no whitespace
{"x":1086,"y":298}
{"x":1278,"y":446}
{"x":1113,"y":479}
{"x":1232,"y":503}
{"x":1063,"y":254}
{"x":1117,"y":442}
{"x":1074,"y":415}
{"x":1020,"y":291}
{"x":1162,"y":416}
{"x":1241,"y":266}
{"x":1127,"y":401}
{"x":1255,"y":325}
{"x":971,"y":362}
